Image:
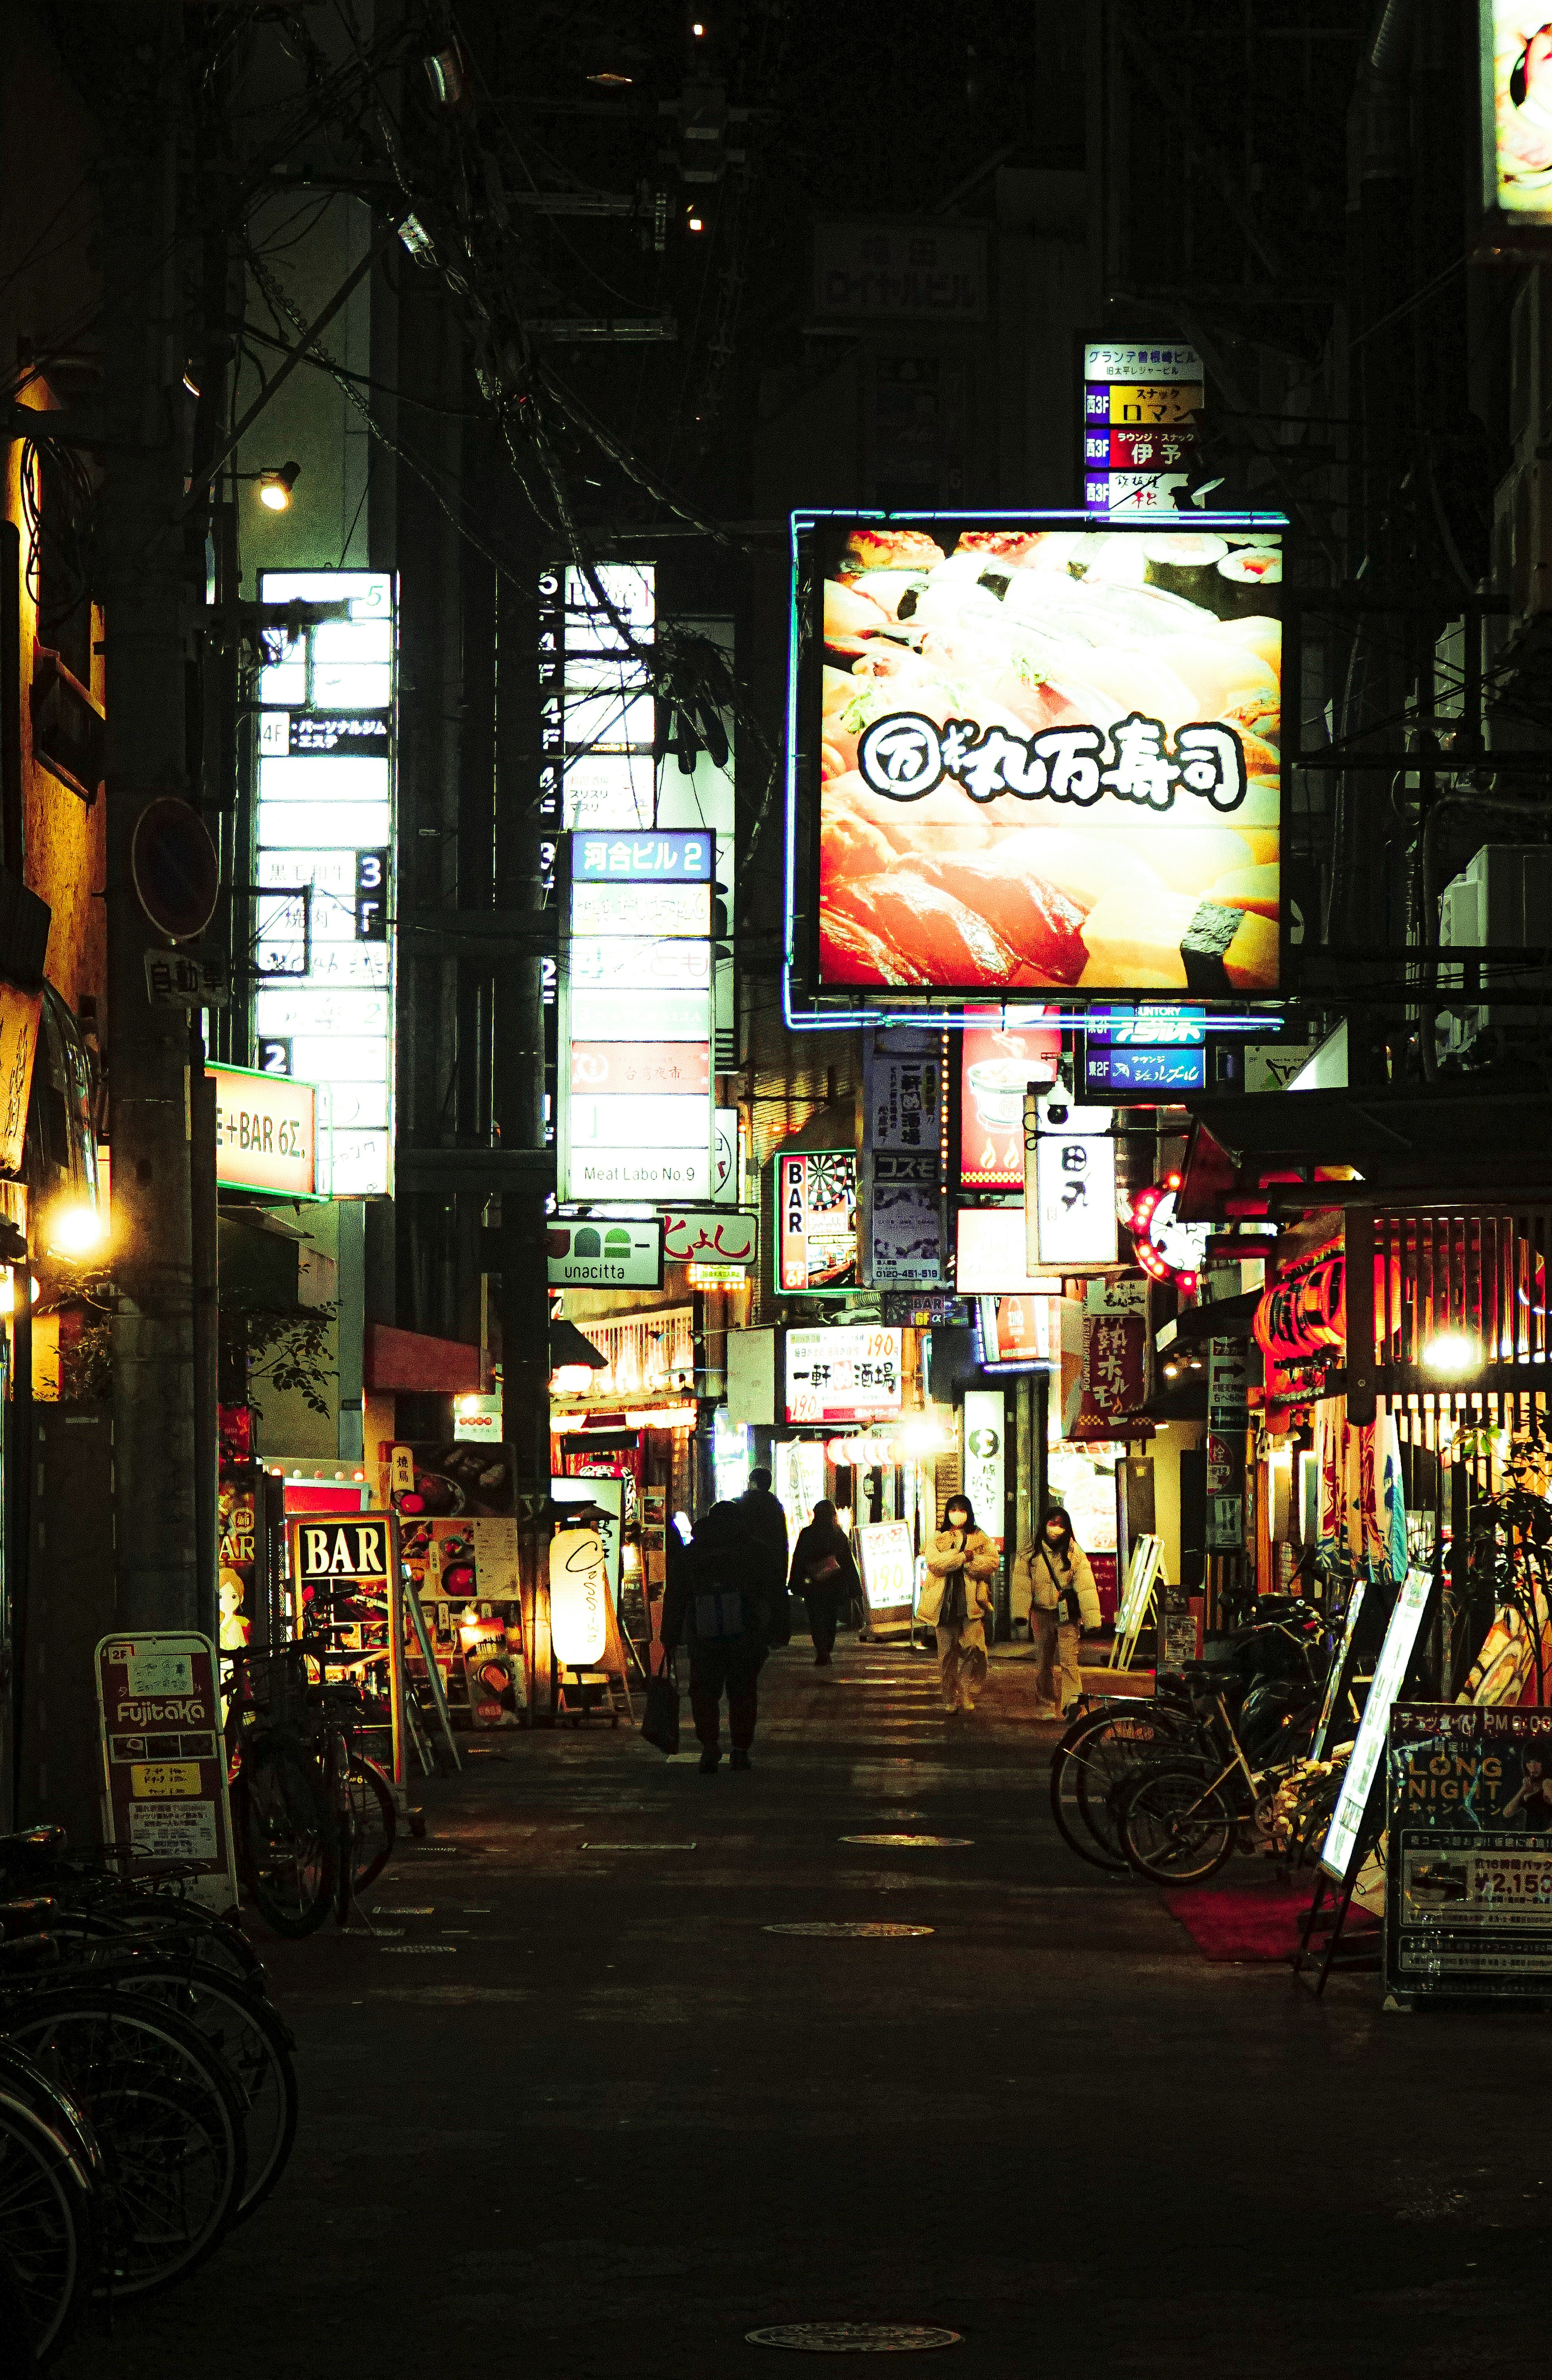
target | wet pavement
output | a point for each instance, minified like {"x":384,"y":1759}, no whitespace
{"x":573,"y":2108}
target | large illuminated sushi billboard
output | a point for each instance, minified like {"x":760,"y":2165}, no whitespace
{"x":1036,"y":756}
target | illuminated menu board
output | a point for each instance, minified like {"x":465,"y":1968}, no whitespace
{"x":323,"y":943}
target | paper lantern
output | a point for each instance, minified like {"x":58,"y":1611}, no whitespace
{"x":579,"y":1598}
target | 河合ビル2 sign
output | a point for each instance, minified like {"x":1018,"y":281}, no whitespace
{"x":1048,"y":756}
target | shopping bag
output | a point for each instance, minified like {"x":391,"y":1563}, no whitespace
{"x":660,"y":1720}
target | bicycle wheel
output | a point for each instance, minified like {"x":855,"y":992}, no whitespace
{"x":375,"y":1819}
{"x":48,"y":2237}
{"x":291,"y":1844}
{"x":169,"y":2117}
{"x":1093,"y":1759}
{"x":254,"y":2044}
{"x":1176,"y":1826}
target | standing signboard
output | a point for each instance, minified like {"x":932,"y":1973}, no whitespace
{"x":1351,"y":1828}
{"x":165,"y":1762}
{"x":887,"y":1567}
{"x":1468,"y":1886}
{"x":339,"y":1560}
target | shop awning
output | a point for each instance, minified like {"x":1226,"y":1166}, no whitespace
{"x":1446,"y":1142}
{"x":568,"y":1346}
{"x":1225,"y":1317}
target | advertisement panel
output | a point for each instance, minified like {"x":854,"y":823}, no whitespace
{"x":324,"y":949}
{"x":1002,"y":1053}
{"x":1348,"y":1821}
{"x":903,"y":1097}
{"x":887,"y":1567}
{"x":992,"y":1255}
{"x":1468,"y":1893}
{"x":266,"y":1132}
{"x":165,"y":1762}
{"x":842,"y":1374}
{"x":1046,"y":756}
{"x":903,"y":1221}
{"x":984,"y":1457}
{"x":1141,"y":412}
{"x":1072,"y":1213}
{"x":1516,"y":63}
{"x":603,"y":1255}
{"x":816,"y":1221}
{"x":1114,"y":1386}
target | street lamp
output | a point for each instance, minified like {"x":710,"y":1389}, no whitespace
{"x":274,"y":486}
{"x":75,"y":1229}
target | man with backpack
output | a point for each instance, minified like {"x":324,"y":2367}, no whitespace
{"x":721,"y":1602}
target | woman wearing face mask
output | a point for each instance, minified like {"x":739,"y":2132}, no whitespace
{"x":957,"y":1600}
{"x":1063,"y":1602}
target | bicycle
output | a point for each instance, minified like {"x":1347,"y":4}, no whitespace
{"x":1101,"y":1752}
{"x":51,"y":2170}
{"x":319,"y":1819}
{"x":1176,"y":1822}
{"x":160,"y":2100}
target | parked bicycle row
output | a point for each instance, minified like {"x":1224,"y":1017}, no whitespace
{"x":148,"y":2097}
{"x":1226,"y":1755}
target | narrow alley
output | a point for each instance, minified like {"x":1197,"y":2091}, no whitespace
{"x":596,"y":2092}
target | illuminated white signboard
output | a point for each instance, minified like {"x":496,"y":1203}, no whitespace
{"x":266,"y":1134}
{"x":991,"y":1256}
{"x":1142,"y":407}
{"x":323,"y":936}
{"x":598,"y":717}
{"x":842,"y":1374}
{"x":1389,"y":1676}
{"x":1075,"y":1201}
{"x":636,"y":1119}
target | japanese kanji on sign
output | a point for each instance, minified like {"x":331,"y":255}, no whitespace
{"x":1046,"y":752}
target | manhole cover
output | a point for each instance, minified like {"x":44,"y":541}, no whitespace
{"x":915,"y":1842}
{"x":850,"y":1926}
{"x":854,"y":2338}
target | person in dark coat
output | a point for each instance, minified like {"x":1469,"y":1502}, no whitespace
{"x":718,"y":1600}
{"x":825,"y":1573}
{"x":765,"y":1517}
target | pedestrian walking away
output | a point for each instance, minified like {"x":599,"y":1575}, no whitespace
{"x":764,"y":1518}
{"x":717,"y":1601}
{"x":1063,"y":1602}
{"x":824,"y":1572}
{"x":957,"y":1600}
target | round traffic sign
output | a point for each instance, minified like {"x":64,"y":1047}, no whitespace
{"x":175,"y":866}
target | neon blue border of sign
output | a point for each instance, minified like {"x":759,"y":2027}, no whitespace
{"x":827,"y":1020}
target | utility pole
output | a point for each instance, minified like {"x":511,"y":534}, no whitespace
{"x":146,"y":602}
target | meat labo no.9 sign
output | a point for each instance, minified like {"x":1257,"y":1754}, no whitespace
{"x":1048,"y":757}
{"x":579,"y":1598}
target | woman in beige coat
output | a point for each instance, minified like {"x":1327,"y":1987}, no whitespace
{"x":957,"y":1600}
{"x":1063,"y":1602}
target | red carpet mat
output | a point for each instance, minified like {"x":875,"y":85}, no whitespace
{"x":1244,"y":1924}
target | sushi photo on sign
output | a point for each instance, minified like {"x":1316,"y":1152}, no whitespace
{"x":1048,"y":757}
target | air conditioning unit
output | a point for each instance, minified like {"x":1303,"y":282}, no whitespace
{"x":1502,"y":897}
